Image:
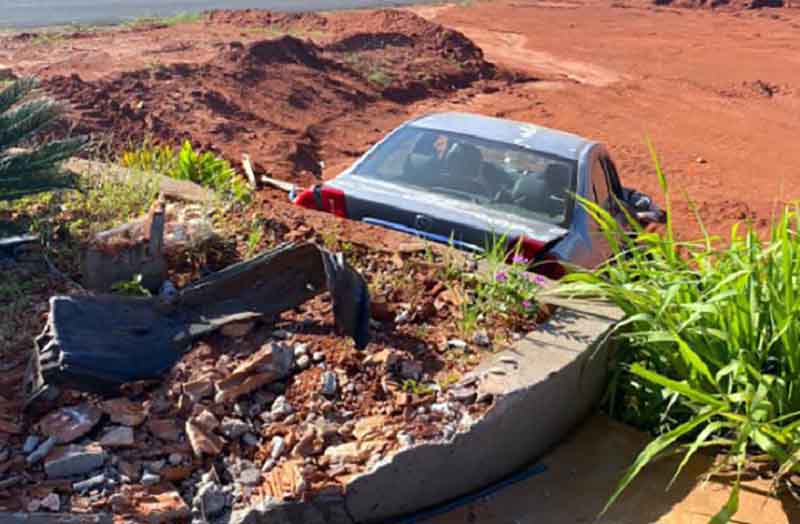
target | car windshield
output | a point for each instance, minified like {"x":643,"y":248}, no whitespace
{"x":496,"y":175}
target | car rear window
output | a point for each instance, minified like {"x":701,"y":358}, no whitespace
{"x":496,"y":175}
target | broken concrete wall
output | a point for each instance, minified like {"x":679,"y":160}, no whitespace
{"x":542,"y":388}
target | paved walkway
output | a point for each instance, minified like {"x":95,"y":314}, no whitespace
{"x":582,"y":472}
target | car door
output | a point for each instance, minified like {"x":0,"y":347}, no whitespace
{"x":599,"y":193}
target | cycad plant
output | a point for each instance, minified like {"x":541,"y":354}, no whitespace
{"x":711,"y":358}
{"x":27,"y":168}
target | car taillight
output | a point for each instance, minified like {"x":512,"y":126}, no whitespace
{"x":546,"y":264}
{"x":323,"y":198}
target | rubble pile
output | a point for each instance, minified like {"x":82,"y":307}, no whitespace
{"x":263,"y":413}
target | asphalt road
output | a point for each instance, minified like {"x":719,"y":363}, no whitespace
{"x":37,"y":13}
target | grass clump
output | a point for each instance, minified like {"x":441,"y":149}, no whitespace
{"x":168,"y":21}
{"x":203,"y":168}
{"x":711,"y":353}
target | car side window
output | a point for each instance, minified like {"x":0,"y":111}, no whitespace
{"x":600,"y":185}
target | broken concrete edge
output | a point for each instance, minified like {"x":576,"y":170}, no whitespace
{"x":170,"y":187}
{"x":542,"y":387}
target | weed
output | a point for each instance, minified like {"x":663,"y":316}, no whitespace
{"x":503,"y":291}
{"x":380,"y":78}
{"x":711,"y":356}
{"x":131,"y":288}
{"x":415,"y":388}
{"x":254,"y":238}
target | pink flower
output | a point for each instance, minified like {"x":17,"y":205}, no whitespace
{"x":501,"y":276}
{"x":519,"y":259}
{"x":526,"y":304}
{"x":539,"y":280}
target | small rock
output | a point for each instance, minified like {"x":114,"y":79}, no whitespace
{"x":405,"y":440}
{"x":237,"y":329}
{"x":402,"y":317}
{"x":481,"y":338}
{"x":250,"y":439}
{"x":281,"y":334}
{"x":203,"y":441}
{"x":318,"y":356}
{"x":51,"y":502}
{"x":74,"y":460}
{"x":250,"y":477}
{"x":210,"y":500}
{"x":90,"y":483}
{"x":120,"y":436}
{"x":30,"y":444}
{"x":175,"y":458}
{"x":150,"y":479}
{"x":300,"y":350}
{"x":411,"y":369}
{"x":162,"y":508}
{"x":164,"y":429}
{"x":465,"y":395}
{"x":233,"y":427}
{"x":207,"y":420}
{"x":156,"y":465}
{"x":329,"y":384}
{"x":457,"y":343}
{"x":303,"y":362}
{"x":700,"y":160}
{"x":278,"y":446}
{"x":280,"y":408}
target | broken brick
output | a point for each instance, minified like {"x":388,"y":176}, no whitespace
{"x":123,"y":411}
{"x":70,"y":423}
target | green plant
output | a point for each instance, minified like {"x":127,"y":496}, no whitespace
{"x":180,"y":18}
{"x":203,"y":168}
{"x":415,"y":388}
{"x":502,"y":291}
{"x":131,"y":288}
{"x":33,"y":169}
{"x":254,"y":238}
{"x":380,"y":78}
{"x":711,"y":355}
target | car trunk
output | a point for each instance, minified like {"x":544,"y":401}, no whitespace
{"x":439,"y":218}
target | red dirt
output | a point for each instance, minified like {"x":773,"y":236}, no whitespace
{"x":278,"y":99}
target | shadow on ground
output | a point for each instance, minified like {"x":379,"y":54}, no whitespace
{"x":583,"y":471}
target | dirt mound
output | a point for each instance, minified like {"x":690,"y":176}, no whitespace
{"x":721,"y":4}
{"x":278,"y":99}
{"x":263,"y":18}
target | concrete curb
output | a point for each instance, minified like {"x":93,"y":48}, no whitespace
{"x":542,"y":388}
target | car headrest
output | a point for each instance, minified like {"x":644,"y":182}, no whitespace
{"x":536,"y":191}
{"x":464,"y":160}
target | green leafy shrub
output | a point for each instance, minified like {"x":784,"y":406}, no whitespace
{"x":711,"y":341}
{"x":203,"y":168}
{"x":33,"y":169}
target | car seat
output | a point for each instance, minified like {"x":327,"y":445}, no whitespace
{"x":464,"y":163}
{"x":543,"y":192}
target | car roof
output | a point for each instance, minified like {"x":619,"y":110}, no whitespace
{"x":523,"y":134}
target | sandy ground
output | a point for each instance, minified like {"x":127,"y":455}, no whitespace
{"x":583,"y":470}
{"x":718,"y":93}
